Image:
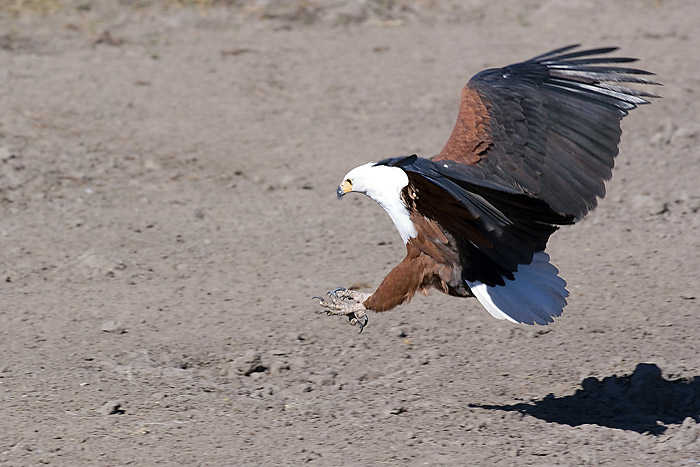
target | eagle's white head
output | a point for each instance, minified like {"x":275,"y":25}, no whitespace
{"x":383,"y":184}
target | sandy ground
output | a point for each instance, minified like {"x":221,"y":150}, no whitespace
{"x":167,"y":197}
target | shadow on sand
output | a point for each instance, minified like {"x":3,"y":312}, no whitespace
{"x":643,"y":402}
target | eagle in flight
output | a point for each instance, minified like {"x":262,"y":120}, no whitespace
{"x":531,"y":150}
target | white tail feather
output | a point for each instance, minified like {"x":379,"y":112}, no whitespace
{"x":536,"y":295}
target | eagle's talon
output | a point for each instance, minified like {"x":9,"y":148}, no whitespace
{"x":335,"y":306}
{"x":359,"y":321}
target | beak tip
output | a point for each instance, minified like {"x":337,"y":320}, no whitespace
{"x":340,"y":192}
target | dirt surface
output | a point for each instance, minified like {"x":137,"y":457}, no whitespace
{"x":167,"y":196}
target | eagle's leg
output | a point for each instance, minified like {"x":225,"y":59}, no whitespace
{"x":334,"y":306}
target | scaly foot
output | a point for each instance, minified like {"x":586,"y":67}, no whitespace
{"x":345,"y":294}
{"x":335,"y":306}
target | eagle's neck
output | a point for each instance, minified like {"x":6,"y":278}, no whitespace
{"x":386,"y":189}
{"x":400,"y":215}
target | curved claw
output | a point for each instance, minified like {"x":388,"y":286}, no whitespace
{"x":316,"y":297}
{"x":359,"y":322}
{"x":334,"y":292}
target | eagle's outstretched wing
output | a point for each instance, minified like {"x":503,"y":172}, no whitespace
{"x":548,"y":127}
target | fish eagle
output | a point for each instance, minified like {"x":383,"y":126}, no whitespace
{"x":533,"y":145}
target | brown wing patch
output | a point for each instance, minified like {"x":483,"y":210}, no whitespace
{"x":471,"y":136}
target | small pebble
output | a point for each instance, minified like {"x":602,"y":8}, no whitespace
{"x":113,"y":327}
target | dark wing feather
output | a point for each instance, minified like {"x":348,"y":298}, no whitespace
{"x":548,"y":127}
{"x":495,"y":227}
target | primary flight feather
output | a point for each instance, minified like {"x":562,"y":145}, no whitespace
{"x":532,"y":147}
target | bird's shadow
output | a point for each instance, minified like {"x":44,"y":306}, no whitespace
{"x":643,"y":402}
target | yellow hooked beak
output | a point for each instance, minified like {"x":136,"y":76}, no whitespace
{"x":344,"y":187}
